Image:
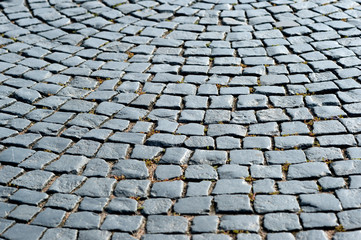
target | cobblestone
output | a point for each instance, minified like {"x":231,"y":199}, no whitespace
{"x":204,"y":224}
{"x":233,"y":204}
{"x":83,"y":220}
{"x":276,"y":203}
{"x":167,"y":189}
{"x":20,"y":231}
{"x":281,"y":222}
{"x":180,"y":120}
{"x":167,"y":224}
{"x":350,"y":219}
{"x":316,"y":220}
{"x":240,"y":222}
{"x":319,"y":202}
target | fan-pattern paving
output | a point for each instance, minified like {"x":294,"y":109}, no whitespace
{"x":180,"y":119}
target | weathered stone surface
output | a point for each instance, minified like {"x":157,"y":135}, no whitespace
{"x":318,"y":220}
{"x":122,"y":223}
{"x":277,"y":222}
{"x":180,"y":120}
{"x":167,"y":224}
{"x":240,"y":222}
{"x":167,"y":189}
{"x":231,"y":186}
{"x":193,"y":205}
{"x":276,"y":203}
{"x":350,"y":219}
{"x":308,"y":170}
{"x":319,"y":202}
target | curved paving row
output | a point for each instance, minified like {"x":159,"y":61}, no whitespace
{"x":180,"y":119}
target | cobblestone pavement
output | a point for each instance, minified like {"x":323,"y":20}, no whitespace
{"x":180,"y":119}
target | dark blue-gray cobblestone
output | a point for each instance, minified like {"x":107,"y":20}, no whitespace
{"x":180,"y":120}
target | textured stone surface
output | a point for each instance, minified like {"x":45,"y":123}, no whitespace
{"x":277,"y":222}
{"x":240,"y":222}
{"x":319,"y":202}
{"x":276,"y":203}
{"x":180,"y":120}
{"x":167,"y":224}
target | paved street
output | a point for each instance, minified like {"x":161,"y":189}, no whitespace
{"x":180,"y":119}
